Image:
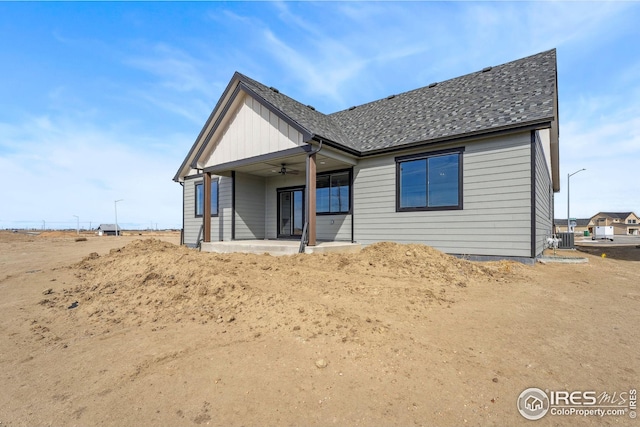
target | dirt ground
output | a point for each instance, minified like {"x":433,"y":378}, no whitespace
{"x":129,"y":330}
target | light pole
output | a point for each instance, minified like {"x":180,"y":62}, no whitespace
{"x":77,"y":224}
{"x":569,"y":175}
{"x":115,"y":204}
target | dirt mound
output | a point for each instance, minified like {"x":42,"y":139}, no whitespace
{"x":7,"y":236}
{"x":56,"y":233}
{"x":427,"y":262}
{"x":151,"y":281}
{"x":413,"y":260}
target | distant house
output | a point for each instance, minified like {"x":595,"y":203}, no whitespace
{"x":108,"y":230}
{"x":467,"y":165}
{"x":581,"y":225}
{"x":623,"y":222}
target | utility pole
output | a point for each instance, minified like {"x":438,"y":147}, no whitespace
{"x":568,"y":198}
{"x":77,"y":224}
{"x":115,"y":204}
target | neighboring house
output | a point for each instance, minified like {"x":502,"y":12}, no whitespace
{"x":468,"y":165}
{"x":108,"y":230}
{"x":581,"y":225}
{"x":622,"y":222}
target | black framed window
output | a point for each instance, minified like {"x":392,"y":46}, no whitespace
{"x":429,"y":181}
{"x":200,"y":198}
{"x":333,"y":193}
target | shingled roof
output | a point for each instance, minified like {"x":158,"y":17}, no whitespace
{"x":618,"y":215}
{"x":580,"y":222}
{"x":515,"y":94}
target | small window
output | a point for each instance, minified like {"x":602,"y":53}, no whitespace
{"x":333,"y":193}
{"x":429,"y":181}
{"x":200,"y":198}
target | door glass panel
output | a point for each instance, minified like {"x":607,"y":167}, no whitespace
{"x":285,"y":213}
{"x":297,"y":213}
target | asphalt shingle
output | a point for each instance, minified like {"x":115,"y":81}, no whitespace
{"x":513,"y":94}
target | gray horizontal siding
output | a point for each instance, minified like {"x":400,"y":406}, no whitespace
{"x":496,"y":219}
{"x":223,"y":225}
{"x":191,"y":223}
{"x":250,"y":207}
{"x":339,"y":230}
{"x":544,"y":199}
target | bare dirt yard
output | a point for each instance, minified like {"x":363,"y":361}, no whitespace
{"x":139,"y":331}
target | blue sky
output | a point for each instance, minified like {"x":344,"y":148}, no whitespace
{"x":102,"y":101}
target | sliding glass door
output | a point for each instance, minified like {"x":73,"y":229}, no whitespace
{"x":290,"y":212}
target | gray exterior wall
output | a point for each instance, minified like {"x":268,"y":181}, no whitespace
{"x":340,"y":230}
{"x":256,"y":210}
{"x":250,"y":207}
{"x":219,"y":229}
{"x":191,"y":223}
{"x":499,"y":175}
{"x":325,"y":230}
{"x":543,"y":197}
{"x":221,"y":226}
{"x":496,"y":215}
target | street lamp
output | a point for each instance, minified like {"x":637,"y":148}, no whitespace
{"x":115,"y":204}
{"x":77,"y":224}
{"x":569,"y":175}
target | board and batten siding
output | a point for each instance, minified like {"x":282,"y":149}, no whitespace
{"x":496,"y":215}
{"x":250,"y":207}
{"x":544,"y":197}
{"x":252,"y":130}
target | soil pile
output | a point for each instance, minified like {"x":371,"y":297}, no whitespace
{"x":157,"y":334}
{"x":333,"y":294}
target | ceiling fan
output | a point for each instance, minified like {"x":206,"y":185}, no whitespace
{"x":284,"y":171}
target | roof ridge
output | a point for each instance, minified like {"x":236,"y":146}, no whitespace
{"x":513,"y":94}
{"x":434,"y":84}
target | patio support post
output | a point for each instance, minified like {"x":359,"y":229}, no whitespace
{"x":311,"y":197}
{"x":206,"y":211}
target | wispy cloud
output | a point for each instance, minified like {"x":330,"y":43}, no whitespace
{"x":117,"y":121}
{"x":174,"y":69}
{"x":601,"y":134}
{"x":67,"y":168}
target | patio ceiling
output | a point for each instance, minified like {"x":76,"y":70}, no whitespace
{"x":295,"y":163}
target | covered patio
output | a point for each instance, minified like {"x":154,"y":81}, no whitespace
{"x":273,"y":198}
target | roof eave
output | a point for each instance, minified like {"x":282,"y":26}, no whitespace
{"x":485,"y":133}
{"x":237,"y":83}
{"x":181,"y":170}
{"x":307,"y":135}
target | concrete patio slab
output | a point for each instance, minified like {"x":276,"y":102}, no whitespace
{"x":277,"y":247}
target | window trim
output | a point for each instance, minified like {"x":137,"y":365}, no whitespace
{"x":426,"y":155}
{"x":195,"y":199}
{"x":329,"y":173}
